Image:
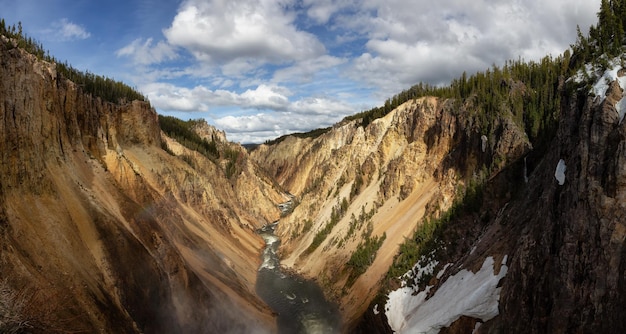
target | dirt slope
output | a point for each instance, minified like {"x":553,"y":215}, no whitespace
{"x":115,"y":234}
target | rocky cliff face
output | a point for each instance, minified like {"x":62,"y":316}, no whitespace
{"x":568,"y":266}
{"x":103,"y":231}
{"x":355,"y":183}
{"x":560,"y":234}
{"x":554,"y":235}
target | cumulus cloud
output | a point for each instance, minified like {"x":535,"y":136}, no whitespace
{"x":145,"y":53}
{"x":300,"y":116}
{"x":306,"y":70}
{"x":242,"y":35}
{"x":282,"y":65}
{"x":321,"y":11}
{"x":64,"y":30}
{"x":277,"y":114}
{"x":306,"y":115}
{"x":170,"y":97}
{"x":413,"y":41}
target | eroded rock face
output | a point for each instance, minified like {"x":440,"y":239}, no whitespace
{"x":112,"y":232}
{"x":564,"y":238}
{"x":391,"y":173}
{"x":568,"y":271}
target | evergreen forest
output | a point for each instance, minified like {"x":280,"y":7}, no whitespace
{"x":100,"y":86}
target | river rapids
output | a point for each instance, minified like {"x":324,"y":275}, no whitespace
{"x":299,"y":303}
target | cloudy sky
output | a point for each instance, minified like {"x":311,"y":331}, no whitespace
{"x":262,"y":68}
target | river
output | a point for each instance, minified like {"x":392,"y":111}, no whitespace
{"x":299,"y":303}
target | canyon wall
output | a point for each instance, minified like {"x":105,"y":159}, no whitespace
{"x":101,"y":230}
{"x":555,"y":225}
{"x":549,"y":219}
{"x":378,"y":182}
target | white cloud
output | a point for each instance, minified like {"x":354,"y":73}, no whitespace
{"x":64,"y":30}
{"x":144,"y":53}
{"x":301,"y":116}
{"x":306,"y":70}
{"x":264,"y":60}
{"x":322,"y":106}
{"x":413,"y":41}
{"x":278,"y":114}
{"x":321,"y":11}
{"x":242,"y":35}
{"x":169,"y":97}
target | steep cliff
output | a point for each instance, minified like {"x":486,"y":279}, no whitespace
{"x":515,"y":238}
{"x":554,"y":227}
{"x":103,"y":231}
{"x":437,"y":216}
{"x":368,"y":188}
{"x":567,"y":263}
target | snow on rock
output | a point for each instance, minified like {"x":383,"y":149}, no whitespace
{"x":559,"y":173}
{"x":375,"y":310}
{"x":483,"y":144}
{"x":602,"y":85}
{"x":442,"y":271}
{"x":424,"y":266}
{"x":465,"y":293}
{"x":621,"y":108}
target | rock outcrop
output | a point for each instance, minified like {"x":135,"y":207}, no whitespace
{"x":567,"y":272}
{"x":379,"y":181}
{"x":562,"y":240}
{"x":103,"y":231}
{"x":561,"y":231}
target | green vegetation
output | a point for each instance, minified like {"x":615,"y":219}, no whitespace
{"x":426,"y":239}
{"x":531,"y":91}
{"x":364,"y":256}
{"x":357,"y":223}
{"x":527,"y":90}
{"x":605,"y":39}
{"x":99,"y":86}
{"x":183,"y":132}
{"x":337,"y":213}
{"x":233,"y":165}
{"x":302,"y":228}
{"x":310,"y":134}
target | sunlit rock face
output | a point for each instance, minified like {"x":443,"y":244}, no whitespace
{"x":558,"y":220}
{"x":117,"y":235}
{"x":112,"y":232}
{"x":563,"y":235}
{"x":385,"y":176}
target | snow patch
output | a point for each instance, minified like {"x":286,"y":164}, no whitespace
{"x":559,"y":173}
{"x":375,"y":310}
{"x":604,"y":79}
{"x":466,"y":293}
{"x":442,"y":271}
{"x":423,"y":267}
{"x":602,"y":85}
{"x":621,"y":108}
{"x":476,"y":327}
{"x":483,"y":143}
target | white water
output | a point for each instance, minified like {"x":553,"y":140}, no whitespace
{"x":299,"y":303}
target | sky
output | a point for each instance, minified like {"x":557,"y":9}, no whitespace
{"x":259,"y":69}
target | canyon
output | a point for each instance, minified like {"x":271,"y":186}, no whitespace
{"x":108,"y":224}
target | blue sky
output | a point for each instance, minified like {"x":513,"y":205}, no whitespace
{"x":259,"y":69}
